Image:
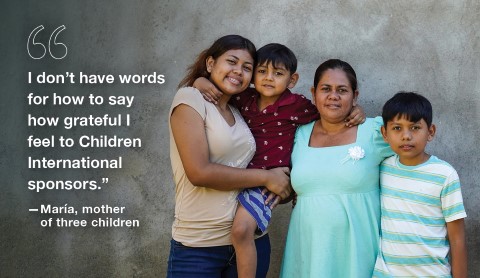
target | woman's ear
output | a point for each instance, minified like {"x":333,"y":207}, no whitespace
{"x":312,"y":90}
{"x":355,"y":97}
{"x":209,"y":63}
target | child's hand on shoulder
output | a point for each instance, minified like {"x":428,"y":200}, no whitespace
{"x":209,"y":92}
{"x":357,"y":116}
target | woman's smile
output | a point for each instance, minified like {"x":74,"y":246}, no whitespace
{"x":235,"y":80}
{"x":232,"y":71}
{"x":333,"y":106}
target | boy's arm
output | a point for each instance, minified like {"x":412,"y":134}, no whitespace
{"x":458,"y":248}
{"x":209,"y":92}
{"x":212,"y":94}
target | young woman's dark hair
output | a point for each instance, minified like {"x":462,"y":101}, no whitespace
{"x":410,"y":105}
{"x":276,"y":54}
{"x":336,"y":64}
{"x":220,"y":46}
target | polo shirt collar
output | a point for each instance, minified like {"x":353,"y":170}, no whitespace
{"x":287,"y":98}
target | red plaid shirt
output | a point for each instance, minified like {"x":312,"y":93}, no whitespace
{"x":274,"y":127}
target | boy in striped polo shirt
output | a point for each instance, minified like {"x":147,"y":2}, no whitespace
{"x":422,"y":231}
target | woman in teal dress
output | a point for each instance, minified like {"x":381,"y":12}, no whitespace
{"x":334,"y":227}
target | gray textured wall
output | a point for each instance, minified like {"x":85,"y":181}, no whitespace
{"x":428,"y":46}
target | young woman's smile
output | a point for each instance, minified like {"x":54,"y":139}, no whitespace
{"x":232,"y":71}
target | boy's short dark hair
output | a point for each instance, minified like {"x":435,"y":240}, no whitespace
{"x":410,"y":105}
{"x":277,"y":54}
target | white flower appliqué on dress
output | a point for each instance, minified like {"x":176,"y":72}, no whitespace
{"x":355,"y":154}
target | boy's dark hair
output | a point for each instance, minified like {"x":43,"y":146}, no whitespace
{"x":277,"y":54}
{"x":410,"y":105}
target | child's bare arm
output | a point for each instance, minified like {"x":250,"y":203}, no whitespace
{"x":458,"y":248}
{"x":209,"y":91}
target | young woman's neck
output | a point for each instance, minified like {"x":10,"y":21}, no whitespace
{"x":223,"y":101}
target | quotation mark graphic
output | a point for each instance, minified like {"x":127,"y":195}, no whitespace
{"x":52,"y":43}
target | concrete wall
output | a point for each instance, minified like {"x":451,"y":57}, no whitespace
{"x":427,"y":46}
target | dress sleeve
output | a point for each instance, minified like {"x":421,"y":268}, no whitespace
{"x":191,"y":97}
{"x":451,"y":196}
{"x":381,"y":147}
{"x":302,"y":132}
{"x":305,"y":111}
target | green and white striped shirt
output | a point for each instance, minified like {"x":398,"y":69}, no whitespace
{"x":417,"y":202}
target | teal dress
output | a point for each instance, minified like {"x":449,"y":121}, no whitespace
{"x":334,"y":227}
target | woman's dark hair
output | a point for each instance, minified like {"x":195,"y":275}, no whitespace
{"x":410,"y":105}
{"x":336,"y":64}
{"x":220,"y":46}
{"x":277,"y":54}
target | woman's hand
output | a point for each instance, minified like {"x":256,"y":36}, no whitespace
{"x":209,"y":92}
{"x":357,"y":116}
{"x":278,"y":182}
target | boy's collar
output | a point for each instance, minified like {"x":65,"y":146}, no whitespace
{"x":286,"y":98}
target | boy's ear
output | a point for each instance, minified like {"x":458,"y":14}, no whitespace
{"x":431,"y":132}
{"x":384,"y":133}
{"x":293,"y":80}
